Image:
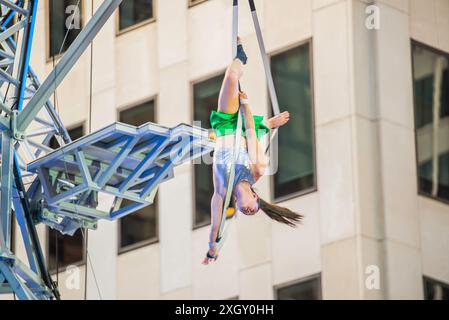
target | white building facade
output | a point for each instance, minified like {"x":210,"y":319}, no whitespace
{"x":371,"y":176}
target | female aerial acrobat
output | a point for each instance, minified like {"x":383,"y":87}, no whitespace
{"x":251,"y":161}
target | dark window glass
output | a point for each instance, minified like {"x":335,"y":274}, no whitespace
{"x":431,"y":95}
{"x":205,"y":99}
{"x":435,"y":290}
{"x":132,"y":12}
{"x":296,"y":158}
{"x":140,"y":227}
{"x":64,"y":14}
{"x":139,"y":115}
{"x":304,"y":290}
{"x":66,"y":249}
{"x":74,"y":134}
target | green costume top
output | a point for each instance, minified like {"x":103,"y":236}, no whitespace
{"x":226,"y":124}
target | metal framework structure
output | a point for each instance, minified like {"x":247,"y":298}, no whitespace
{"x":61,"y":188}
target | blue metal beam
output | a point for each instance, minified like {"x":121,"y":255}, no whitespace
{"x":24,"y":231}
{"x":22,"y":292}
{"x":72,"y":55}
{"x":124,"y":152}
{"x":184,"y":147}
{"x":149,"y":158}
{"x":14,"y":7}
{"x":12,"y":30}
{"x":35,"y":244}
{"x":26,"y":53}
{"x":6,"y":186}
{"x":126,"y":210}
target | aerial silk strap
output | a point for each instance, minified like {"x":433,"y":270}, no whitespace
{"x":223,"y":230}
{"x":266,"y":65}
{"x":266,"y":62}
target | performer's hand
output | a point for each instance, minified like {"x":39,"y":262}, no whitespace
{"x":279,"y":120}
{"x":212,"y":253}
{"x":243,"y":98}
{"x":243,"y":95}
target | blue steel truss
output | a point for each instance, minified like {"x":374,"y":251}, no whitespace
{"x":64,"y":188}
{"x":120,"y":160}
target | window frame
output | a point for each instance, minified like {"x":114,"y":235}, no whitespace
{"x":49,"y":57}
{"x":143,"y":243}
{"x":272,"y":183}
{"x":194,"y":82}
{"x":119,"y":32}
{"x":193,"y":3}
{"x":316,"y":276}
{"x":136,"y":103}
{"x":431,"y":280}
{"x":155,"y":239}
{"x":61,"y":268}
{"x":47,"y":231}
{"x":413,"y":43}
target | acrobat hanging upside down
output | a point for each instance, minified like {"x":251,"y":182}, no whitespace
{"x":249,"y":163}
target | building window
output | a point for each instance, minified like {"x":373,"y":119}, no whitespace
{"x":65,"y":23}
{"x":307,"y":289}
{"x":296,"y":148}
{"x":195,"y":2}
{"x":431,"y":95}
{"x":74,"y":133}
{"x":64,"y":250}
{"x":133,"y":13}
{"x":435,"y":290}
{"x":205,"y":99}
{"x":140,"y":227}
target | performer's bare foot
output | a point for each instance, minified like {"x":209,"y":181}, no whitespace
{"x":279,"y":120}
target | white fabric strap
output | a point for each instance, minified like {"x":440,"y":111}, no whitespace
{"x":244,"y":102}
{"x":266,"y":65}
{"x":266,"y":62}
{"x":223,"y":230}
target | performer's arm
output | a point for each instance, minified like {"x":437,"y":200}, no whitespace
{"x":216,"y":206}
{"x":259,"y":161}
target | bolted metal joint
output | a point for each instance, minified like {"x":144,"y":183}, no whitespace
{"x":16,"y":134}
